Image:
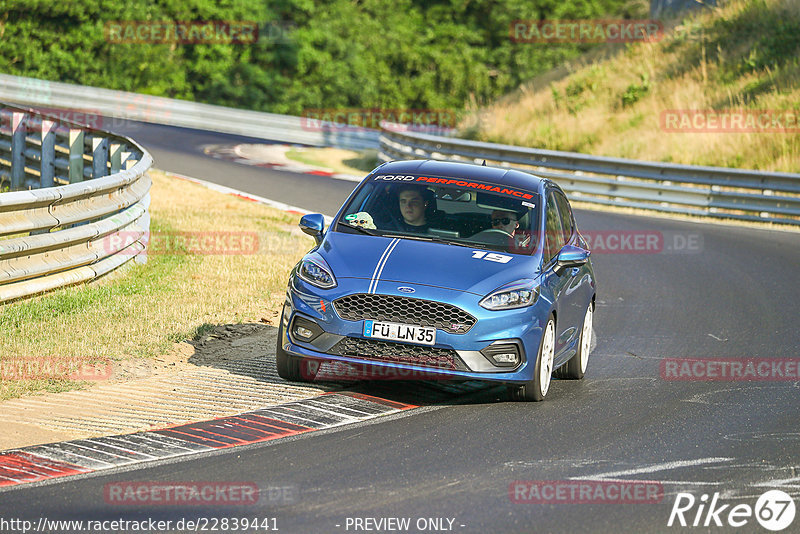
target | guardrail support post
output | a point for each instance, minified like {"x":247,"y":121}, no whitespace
{"x":75,"y":155}
{"x":18,"y":132}
{"x":99,"y":156}
{"x":115,"y":156}
{"x":47,"y":178}
{"x":125,"y":157}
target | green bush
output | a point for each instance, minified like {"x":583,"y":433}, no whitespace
{"x":418,"y":54}
{"x":635,"y":91}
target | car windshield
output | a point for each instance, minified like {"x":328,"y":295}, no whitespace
{"x":462,"y":212}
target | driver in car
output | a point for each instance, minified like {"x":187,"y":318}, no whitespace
{"x":413,"y":207}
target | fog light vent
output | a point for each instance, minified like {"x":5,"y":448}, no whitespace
{"x":305,"y":330}
{"x":502,"y":354}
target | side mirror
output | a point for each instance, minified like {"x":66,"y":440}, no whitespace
{"x":571,"y":256}
{"x":313,"y":224}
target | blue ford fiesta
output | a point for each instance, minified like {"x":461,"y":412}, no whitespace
{"x":444,"y":271}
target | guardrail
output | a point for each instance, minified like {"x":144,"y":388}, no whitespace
{"x":158,"y":110}
{"x":70,"y":189}
{"x":705,"y":191}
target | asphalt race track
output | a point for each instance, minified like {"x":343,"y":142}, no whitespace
{"x":708,"y":291}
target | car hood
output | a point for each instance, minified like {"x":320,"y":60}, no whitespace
{"x":411,"y":261}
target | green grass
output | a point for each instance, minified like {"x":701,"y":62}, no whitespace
{"x":142,"y":310}
{"x":150,"y":279}
{"x":367,"y":161}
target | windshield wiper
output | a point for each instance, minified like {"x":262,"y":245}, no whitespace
{"x":411,"y":236}
{"x":443,"y":240}
{"x":359,"y":228}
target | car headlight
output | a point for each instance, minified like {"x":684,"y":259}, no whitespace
{"x":516,"y":295}
{"x":316,"y":272}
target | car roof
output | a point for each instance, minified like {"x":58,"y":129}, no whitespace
{"x":451,"y":169}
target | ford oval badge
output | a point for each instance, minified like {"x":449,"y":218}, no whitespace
{"x":405,"y":289}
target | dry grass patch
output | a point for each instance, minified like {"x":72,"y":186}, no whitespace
{"x":179,"y":294}
{"x":743,"y":56}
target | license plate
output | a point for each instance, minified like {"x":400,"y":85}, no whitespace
{"x":424,"y":335}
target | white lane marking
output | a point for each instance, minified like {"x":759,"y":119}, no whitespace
{"x":361,"y":413}
{"x":141,"y":441}
{"x":59,"y":455}
{"x":772,"y":436}
{"x":780,"y":482}
{"x":8,"y":468}
{"x":131,"y":452}
{"x":333,"y":413}
{"x":373,"y":284}
{"x":666,"y":466}
{"x":732,"y":494}
{"x":165,"y":442}
{"x":97,"y":450}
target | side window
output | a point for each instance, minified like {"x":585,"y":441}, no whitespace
{"x":565,"y":213}
{"x":554,"y":234}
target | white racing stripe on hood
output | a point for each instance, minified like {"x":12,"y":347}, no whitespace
{"x":376,"y":274}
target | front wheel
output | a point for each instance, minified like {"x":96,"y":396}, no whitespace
{"x":536,"y":389}
{"x":575,"y":368}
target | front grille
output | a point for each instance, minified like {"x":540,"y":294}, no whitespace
{"x":388,"y":351}
{"x":360,"y":306}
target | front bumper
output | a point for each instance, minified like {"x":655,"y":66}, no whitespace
{"x":521,"y":327}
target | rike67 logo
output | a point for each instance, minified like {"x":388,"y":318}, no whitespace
{"x":774,"y":510}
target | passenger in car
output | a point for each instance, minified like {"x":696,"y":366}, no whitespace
{"x":506,"y":221}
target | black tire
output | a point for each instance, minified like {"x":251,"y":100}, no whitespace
{"x":575,"y":368}
{"x":288,"y":365}
{"x":536,"y":389}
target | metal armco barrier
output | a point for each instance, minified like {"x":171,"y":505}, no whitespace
{"x":66,"y":191}
{"x":159,"y":110}
{"x":667,"y":187}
